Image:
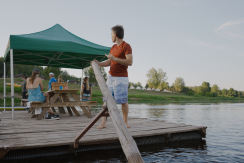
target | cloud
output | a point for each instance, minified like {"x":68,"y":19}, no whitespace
{"x":224,"y":28}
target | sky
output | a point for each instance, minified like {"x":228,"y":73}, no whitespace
{"x":196,"y":40}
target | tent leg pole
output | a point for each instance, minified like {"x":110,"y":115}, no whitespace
{"x":81,"y":83}
{"x":4,"y":87}
{"x":12,"y":80}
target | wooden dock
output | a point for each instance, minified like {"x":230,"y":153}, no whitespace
{"x":27,"y":133}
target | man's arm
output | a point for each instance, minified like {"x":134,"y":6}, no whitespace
{"x":127,"y":62}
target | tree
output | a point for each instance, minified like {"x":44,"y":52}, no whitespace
{"x":138,"y":84}
{"x":147,"y":85}
{"x":195,"y":89}
{"x":65,"y":76}
{"x":2,"y":68}
{"x":200,"y":90}
{"x":215,"y":88}
{"x":55,"y":70}
{"x":231,"y":92}
{"x":179,"y":84}
{"x":155,"y":77}
{"x":89,"y":72}
{"x":224,"y":92}
{"x":163,"y":85}
{"x":206,"y":87}
{"x":27,"y":69}
{"x":239,"y":94}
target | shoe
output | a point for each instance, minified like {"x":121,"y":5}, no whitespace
{"x":49,"y":117}
{"x":55,"y":116}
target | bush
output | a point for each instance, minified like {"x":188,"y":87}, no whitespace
{"x":9,"y":101}
{"x":8,"y":89}
{"x":215,"y":94}
{"x":209,"y":94}
{"x":190,"y":93}
{"x":201,"y":94}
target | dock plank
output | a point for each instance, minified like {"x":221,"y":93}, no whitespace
{"x":25,"y":132}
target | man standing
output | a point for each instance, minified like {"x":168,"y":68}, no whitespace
{"x":52,"y":79}
{"x":119,"y":59}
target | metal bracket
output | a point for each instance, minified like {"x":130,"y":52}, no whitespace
{"x":12,"y":96}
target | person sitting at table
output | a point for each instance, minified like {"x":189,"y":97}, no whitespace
{"x":24,"y":90}
{"x":34,"y":86}
{"x":86,"y":92}
{"x":52,"y":79}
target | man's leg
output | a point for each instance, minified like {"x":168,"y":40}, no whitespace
{"x":125,"y":111}
{"x":103,"y":124}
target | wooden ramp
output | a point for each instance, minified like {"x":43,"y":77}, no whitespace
{"x":25,"y":132}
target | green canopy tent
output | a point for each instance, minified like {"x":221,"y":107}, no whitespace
{"x":54,"y":47}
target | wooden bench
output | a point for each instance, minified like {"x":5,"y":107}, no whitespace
{"x":33,"y":111}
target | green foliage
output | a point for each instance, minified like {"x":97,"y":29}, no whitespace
{"x":65,"y":76}
{"x":224,"y":92}
{"x":239,"y":94}
{"x":89,"y":72}
{"x":19,"y":69}
{"x":56,"y":70}
{"x":17,"y":101}
{"x":215,"y":89}
{"x":215,"y":94}
{"x":8,"y":89}
{"x":179,"y":84}
{"x":147,"y":85}
{"x":195,"y":89}
{"x":206,"y":87}
{"x":190,"y":93}
{"x":200,"y":91}
{"x":163,"y":85}
{"x":155,"y":77}
{"x":2,"y":68}
{"x":231,"y":92}
{"x":209,"y":94}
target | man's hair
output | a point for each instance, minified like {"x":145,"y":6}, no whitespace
{"x":119,"y":31}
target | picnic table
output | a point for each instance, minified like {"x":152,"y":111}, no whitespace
{"x":64,"y":101}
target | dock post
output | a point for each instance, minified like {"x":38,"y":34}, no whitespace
{"x":12,"y":80}
{"x":127,"y":142}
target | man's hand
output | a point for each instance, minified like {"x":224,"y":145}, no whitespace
{"x":96,"y":62}
{"x":111,"y":57}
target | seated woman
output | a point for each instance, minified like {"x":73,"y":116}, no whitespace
{"x":86,"y":92}
{"x":34,"y":86}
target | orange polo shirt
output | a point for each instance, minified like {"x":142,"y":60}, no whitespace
{"x":116,"y":69}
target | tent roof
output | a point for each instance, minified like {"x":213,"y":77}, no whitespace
{"x":54,"y":47}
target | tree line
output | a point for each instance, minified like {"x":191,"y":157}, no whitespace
{"x":27,"y":71}
{"x":157,"y":79}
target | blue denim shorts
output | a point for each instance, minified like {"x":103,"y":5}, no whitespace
{"x":119,"y":88}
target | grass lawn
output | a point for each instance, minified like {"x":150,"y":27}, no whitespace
{"x":135,"y":96}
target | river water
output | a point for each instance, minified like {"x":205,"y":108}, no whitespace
{"x":224,"y":141}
